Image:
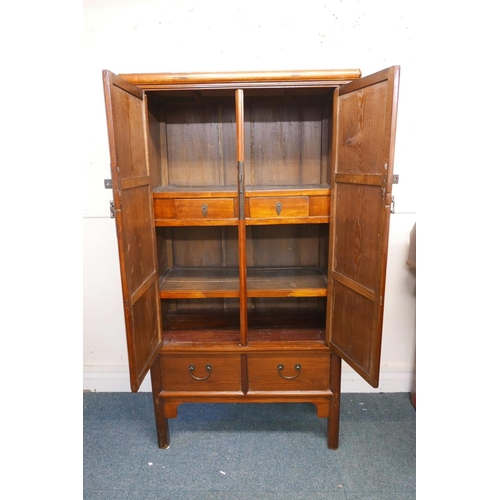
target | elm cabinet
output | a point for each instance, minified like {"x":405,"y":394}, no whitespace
{"x":252,"y":213}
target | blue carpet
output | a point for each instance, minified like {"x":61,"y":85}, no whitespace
{"x":248,"y":451}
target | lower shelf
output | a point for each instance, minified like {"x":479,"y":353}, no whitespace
{"x":223,"y":328}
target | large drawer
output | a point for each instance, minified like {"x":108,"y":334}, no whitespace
{"x":289,"y":371}
{"x":200,"y":372}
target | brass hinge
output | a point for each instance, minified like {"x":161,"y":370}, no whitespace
{"x":395,"y":180}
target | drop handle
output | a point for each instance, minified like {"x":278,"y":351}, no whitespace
{"x":281,"y":367}
{"x":204,"y":209}
{"x":192,"y":368}
{"x":279,"y":206}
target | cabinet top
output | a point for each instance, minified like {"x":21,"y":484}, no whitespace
{"x":242,"y":79}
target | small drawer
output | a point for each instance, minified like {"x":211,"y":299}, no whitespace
{"x":192,"y":372}
{"x":199,"y":209}
{"x":295,"y":372}
{"x":203,"y":209}
{"x":278,"y":207}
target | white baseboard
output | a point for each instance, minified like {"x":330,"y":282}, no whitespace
{"x":116,"y":379}
{"x":389,"y":381}
{"x":110,"y":379}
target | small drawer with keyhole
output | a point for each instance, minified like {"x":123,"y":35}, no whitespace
{"x":282,"y":207}
{"x":199,"y":211}
{"x":211,"y":208}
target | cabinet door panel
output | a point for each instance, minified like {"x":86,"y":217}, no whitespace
{"x":126,"y":112}
{"x":365,"y":124}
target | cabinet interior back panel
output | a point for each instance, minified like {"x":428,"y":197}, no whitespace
{"x":205,"y":247}
{"x":287,"y":142}
{"x":287,"y":245}
{"x":201,"y":144}
{"x":289,"y":312}
{"x":199,"y":314}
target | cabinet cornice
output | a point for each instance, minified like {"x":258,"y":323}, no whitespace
{"x":160,"y":81}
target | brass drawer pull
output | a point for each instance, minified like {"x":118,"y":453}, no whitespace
{"x":279,"y":206}
{"x":204,"y":209}
{"x":281,"y":367}
{"x":192,"y":368}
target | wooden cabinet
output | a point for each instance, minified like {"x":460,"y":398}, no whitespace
{"x":252,"y":214}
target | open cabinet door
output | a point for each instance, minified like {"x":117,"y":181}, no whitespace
{"x":365,"y":124}
{"x":126,"y":118}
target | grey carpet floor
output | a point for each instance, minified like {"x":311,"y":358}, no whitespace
{"x":249,"y":451}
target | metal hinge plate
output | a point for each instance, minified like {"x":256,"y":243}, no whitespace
{"x":393,"y":204}
{"x":112,"y":212}
{"x":108,"y":184}
{"x":395,"y":179}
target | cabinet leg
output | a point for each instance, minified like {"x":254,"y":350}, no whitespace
{"x":333,"y":422}
{"x":161,"y":426}
{"x":334,"y":410}
{"x":161,"y":421}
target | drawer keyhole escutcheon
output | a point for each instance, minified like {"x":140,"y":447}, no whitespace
{"x":279,"y":206}
{"x":192,"y":368}
{"x":204,"y":209}
{"x":281,"y":367}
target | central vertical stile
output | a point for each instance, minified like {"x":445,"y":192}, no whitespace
{"x":240,"y":156}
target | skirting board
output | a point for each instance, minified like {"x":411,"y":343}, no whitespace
{"x":116,"y":379}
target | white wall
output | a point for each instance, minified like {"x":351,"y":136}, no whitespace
{"x":188,"y":36}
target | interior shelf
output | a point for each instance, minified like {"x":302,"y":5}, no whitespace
{"x":286,"y":282}
{"x":196,"y":283}
{"x":266,"y":190}
{"x":194,"y":191}
{"x":261,"y":282}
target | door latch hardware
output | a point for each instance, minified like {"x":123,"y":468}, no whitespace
{"x":112,"y":209}
{"x":108,"y":184}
